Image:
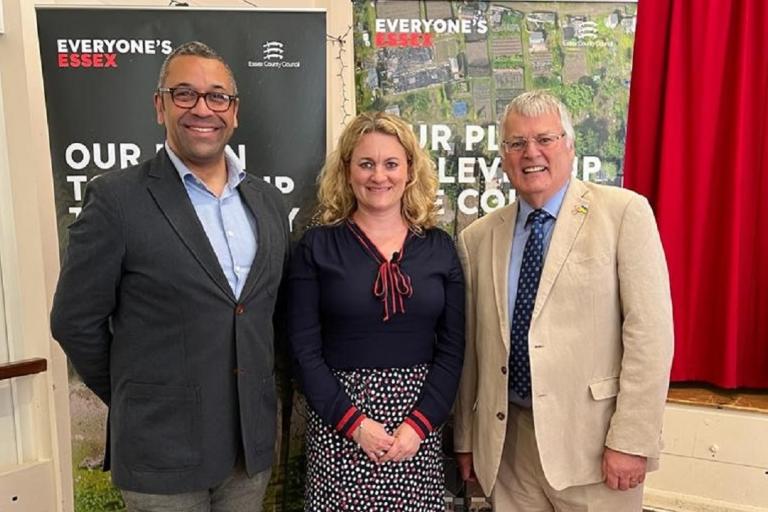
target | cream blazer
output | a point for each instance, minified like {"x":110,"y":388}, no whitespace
{"x":600,"y":340}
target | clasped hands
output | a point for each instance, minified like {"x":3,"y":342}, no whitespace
{"x":382,"y":447}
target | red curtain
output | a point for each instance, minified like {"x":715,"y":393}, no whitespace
{"x":697,"y":147}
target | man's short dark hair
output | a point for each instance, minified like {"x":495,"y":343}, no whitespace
{"x":195,"y":49}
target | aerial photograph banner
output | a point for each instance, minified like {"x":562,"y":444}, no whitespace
{"x":450,"y":68}
{"x":100,"y":70}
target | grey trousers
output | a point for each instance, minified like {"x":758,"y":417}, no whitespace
{"x":238,"y":493}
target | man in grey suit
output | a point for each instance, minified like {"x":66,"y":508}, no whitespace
{"x":165,"y":304}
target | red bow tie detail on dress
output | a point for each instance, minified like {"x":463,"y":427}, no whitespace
{"x":392,"y":285}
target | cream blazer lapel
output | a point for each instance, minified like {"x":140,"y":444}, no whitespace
{"x":569,"y":222}
{"x":501,"y":245}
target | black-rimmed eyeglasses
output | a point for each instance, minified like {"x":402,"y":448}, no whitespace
{"x":518,"y":144}
{"x":184,"y":97}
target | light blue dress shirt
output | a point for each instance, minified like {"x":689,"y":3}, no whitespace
{"x":522,"y":231}
{"x":227,"y":221}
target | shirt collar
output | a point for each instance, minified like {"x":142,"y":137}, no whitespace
{"x":235,"y":171}
{"x":552,"y":206}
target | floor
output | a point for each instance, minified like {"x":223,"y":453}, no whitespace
{"x":703,"y":394}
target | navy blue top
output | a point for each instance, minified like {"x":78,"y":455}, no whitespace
{"x":336,"y":322}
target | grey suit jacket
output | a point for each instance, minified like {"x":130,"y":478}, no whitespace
{"x":145,"y":314}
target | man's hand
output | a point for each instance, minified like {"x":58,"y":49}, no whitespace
{"x":373,"y":439}
{"x":623,"y":471}
{"x":407,"y":443}
{"x":466,"y":467}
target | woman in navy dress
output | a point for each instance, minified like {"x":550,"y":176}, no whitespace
{"x":376,"y":325}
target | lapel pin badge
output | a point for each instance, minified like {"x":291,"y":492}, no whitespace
{"x":582,"y":209}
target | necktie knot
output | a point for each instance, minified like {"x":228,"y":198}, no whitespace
{"x":538,"y":217}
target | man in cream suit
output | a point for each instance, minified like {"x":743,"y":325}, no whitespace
{"x":569,"y":331}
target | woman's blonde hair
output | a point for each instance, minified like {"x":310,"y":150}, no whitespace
{"x":336,"y":200}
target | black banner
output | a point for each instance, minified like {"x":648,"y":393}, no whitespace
{"x":100,"y":68}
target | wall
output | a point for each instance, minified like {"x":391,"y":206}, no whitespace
{"x":714,"y":460}
{"x":29,"y":266}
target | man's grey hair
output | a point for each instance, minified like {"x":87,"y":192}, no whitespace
{"x":195,"y":49}
{"x":535,"y":104}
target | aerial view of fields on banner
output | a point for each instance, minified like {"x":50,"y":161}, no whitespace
{"x":451,"y":67}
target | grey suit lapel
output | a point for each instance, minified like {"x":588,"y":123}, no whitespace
{"x":571,"y":218}
{"x":253,"y":200}
{"x":501,"y":247}
{"x":172,"y":199}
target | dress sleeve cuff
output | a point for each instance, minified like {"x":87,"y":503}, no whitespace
{"x":419,"y":423}
{"x":350,"y":421}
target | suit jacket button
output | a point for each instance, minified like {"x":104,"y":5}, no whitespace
{"x":504,"y":370}
{"x":240,"y":309}
{"x":500,"y":415}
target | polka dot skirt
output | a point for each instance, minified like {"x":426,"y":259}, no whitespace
{"x":340,"y":477}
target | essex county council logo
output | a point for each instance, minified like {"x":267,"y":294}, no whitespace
{"x":273,"y":50}
{"x":273,"y":56}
